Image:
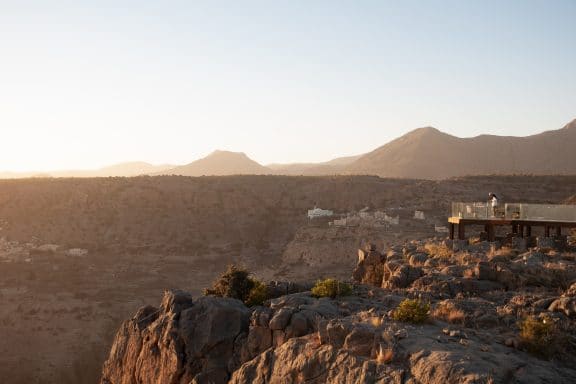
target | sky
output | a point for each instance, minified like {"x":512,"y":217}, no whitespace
{"x":84,"y":84}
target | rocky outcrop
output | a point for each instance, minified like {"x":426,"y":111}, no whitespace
{"x":304,"y":360}
{"x":298,"y":338}
{"x":478,"y":300}
{"x":204,"y":340}
{"x":185,"y":340}
{"x":443,"y":272}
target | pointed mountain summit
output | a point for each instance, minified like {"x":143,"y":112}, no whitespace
{"x":427,"y":153}
{"x":221,"y":163}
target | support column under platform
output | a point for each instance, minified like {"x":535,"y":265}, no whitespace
{"x":461,"y":231}
{"x":491,"y":232}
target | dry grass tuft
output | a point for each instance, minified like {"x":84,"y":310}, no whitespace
{"x":384,"y":355}
{"x":376,"y":321}
{"x":438,"y":251}
{"x":448,"y":312}
{"x":502,"y":254}
{"x":465,"y":258}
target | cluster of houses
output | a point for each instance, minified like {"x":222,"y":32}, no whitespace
{"x":377,"y":218}
{"x":366,"y":218}
{"x":318,"y":212}
{"x":363,"y":217}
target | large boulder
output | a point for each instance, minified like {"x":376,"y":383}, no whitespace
{"x":303,"y":360}
{"x":369,"y":269}
{"x":402,"y":277}
{"x":185,"y":340}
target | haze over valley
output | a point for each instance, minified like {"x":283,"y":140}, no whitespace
{"x":424,"y":153}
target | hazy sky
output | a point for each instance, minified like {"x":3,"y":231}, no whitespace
{"x":90,"y":83}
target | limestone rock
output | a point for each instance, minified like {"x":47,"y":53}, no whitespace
{"x":566,"y":305}
{"x":402,"y":277}
{"x":302,"y":361}
{"x":281,"y":319}
{"x":418,"y":259}
{"x":183,"y":341}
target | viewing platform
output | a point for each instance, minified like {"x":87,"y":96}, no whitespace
{"x":521,"y":217}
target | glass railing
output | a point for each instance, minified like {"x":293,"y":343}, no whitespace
{"x":515,"y":211}
{"x":471,"y":210}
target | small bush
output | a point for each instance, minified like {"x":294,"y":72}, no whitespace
{"x":331,"y":288}
{"x":236,"y":282}
{"x":412,"y":311}
{"x":258,"y":294}
{"x":540,"y":336}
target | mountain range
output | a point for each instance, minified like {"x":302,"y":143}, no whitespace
{"x":424,"y":153}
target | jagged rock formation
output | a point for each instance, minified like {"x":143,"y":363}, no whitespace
{"x":206,"y":339}
{"x":183,"y":340}
{"x":477,"y":298}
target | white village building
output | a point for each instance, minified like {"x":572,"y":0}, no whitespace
{"x":419,"y":215}
{"x":317,"y":212}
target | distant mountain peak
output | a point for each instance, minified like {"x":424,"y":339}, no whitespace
{"x":426,"y":130}
{"x":428,"y":153}
{"x":221,"y":163}
{"x":571,"y":125}
{"x":225,"y":152}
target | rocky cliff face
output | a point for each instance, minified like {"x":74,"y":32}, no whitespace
{"x":472,"y":336}
{"x":182,"y":341}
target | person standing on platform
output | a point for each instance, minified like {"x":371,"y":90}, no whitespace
{"x":493,"y":202}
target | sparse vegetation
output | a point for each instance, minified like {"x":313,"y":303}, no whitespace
{"x":412,"y":311}
{"x":236,"y":282}
{"x":502,"y":254}
{"x":448,"y":312}
{"x":439,"y":251}
{"x":258,"y":294}
{"x":139,"y":226}
{"x":540,"y":336}
{"x":384,"y":355}
{"x":331,"y":288}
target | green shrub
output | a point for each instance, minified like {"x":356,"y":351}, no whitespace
{"x":412,"y":311}
{"x":258,"y":294}
{"x":236,"y":282}
{"x":540,"y":336}
{"x":331,"y":288}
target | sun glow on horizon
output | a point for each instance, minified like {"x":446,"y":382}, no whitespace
{"x":90,"y":85}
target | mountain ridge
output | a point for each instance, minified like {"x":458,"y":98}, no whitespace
{"x":423,"y":153}
{"x":427,"y":153}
